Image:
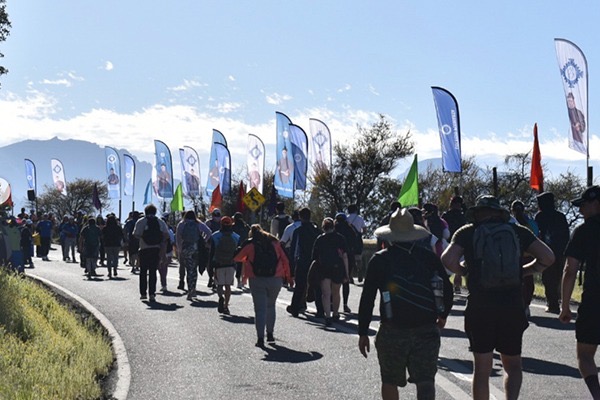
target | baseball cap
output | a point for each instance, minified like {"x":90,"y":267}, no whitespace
{"x":226,"y":221}
{"x":590,"y":194}
{"x":216,"y":212}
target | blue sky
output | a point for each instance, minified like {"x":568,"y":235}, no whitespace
{"x":123,"y":73}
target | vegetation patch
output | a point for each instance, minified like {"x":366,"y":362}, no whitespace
{"x":47,"y":351}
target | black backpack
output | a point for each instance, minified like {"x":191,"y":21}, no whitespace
{"x":265,"y":258}
{"x":152,"y":234}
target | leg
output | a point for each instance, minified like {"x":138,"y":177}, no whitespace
{"x":259,"y":298}
{"x":389,"y":391}
{"x":482,"y":369}
{"x":326,"y":297}
{"x":513,"y":375}
{"x":299,"y":296}
{"x":426,"y":390}
{"x":551,"y":278}
{"x":182,"y":270}
{"x":587,"y":367}
{"x":143,"y":273}
{"x":335,"y":298}
{"x":273,"y":288}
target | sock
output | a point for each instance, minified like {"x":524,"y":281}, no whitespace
{"x":593,"y":385}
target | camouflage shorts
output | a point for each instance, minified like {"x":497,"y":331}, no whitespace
{"x":415,"y":349}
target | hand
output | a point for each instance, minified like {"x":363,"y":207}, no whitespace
{"x":565,"y":315}
{"x":364,"y":345}
{"x":441,"y":322}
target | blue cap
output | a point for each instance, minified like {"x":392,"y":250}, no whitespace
{"x":340,"y":216}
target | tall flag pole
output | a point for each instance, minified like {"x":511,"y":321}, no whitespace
{"x":536,"y":179}
{"x":299,"y":142}
{"x":320,"y":143}
{"x":163,"y":171}
{"x":31,"y":177}
{"x":574,"y":72}
{"x":58,"y":176}
{"x":190,"y":172}
{"x":256,"y":162}
{"x":113,"y":174}
{"x":409,"y":193}
{"x":449,"y":126}
{"x":284,"y":171}
{"x":129,"y":183}
{"x":224,"y":168}
{"x":213,"y":167}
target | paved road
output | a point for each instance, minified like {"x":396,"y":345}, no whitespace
{"x":179,"y":349}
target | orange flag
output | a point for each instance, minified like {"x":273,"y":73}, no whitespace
{"x":216,"y":200}
{"x":240,"y":203}
{"x":536,"y":180}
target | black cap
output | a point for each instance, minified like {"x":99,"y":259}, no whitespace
{"x":590,"y":194}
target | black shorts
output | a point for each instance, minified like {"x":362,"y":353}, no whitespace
{"x":500,"y":329}
{"x":587,"y":325}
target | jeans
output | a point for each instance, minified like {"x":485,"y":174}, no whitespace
{"x":264,"y":292}
{"x":112,"y":257}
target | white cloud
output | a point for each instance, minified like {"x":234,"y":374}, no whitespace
{"x":276,"y":98}
{"x":57,"y":82}
{"x":187,"y":85}
{"x":108,"y":66}
{"x":346,"y":88}
{"x":225,"y":108}
{"x":231,"y":78}
{"x":373,"y":90}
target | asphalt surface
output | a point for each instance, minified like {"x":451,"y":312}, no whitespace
{"x":180,"y":349}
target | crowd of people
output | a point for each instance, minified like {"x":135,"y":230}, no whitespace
{"x":496,"y":250}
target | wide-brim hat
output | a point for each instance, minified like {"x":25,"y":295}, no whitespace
{"x":487,"y":201}
{"x":401,"y":228}
{"x":590,"y":194}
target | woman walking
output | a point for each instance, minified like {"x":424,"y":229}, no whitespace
{"x":112,"y":237}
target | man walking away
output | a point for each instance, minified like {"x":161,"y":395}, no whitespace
{"x":583,"y":249}
{"x":224,"y":246}
{"x":416,"y":298}
{"x":280,"y":221}
{"x":495,"y":314}
{"x":89,"y":244}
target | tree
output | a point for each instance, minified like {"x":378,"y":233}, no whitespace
{"x":4,"y":30}
{"x":359,"y":168}
{"x":79,"y":198}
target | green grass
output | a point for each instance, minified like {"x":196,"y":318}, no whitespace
{"x":46,"y":350}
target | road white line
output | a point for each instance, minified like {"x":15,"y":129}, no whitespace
{"x":123,"y":368}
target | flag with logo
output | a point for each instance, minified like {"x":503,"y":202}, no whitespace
{"x":224,"y":168}
{"x":320,"y":143}
{"x":409,"y":193}
{"x":58,"y":176}
{"x":446,"y":108}
{"x":129,"y":181}
{"x":30,"y":175}
{"x":113,"y":173}
{"x":162,"y":174}
{"x":299,"y":143}
{"x":536,"y":179}
{"x":574,"y":73}
{"x":190,"y":171}
{"x":284,"y":170}
{"x":213,"y":164}
{"x":255,"y":162}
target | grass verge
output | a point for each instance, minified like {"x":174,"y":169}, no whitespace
{"x":46,"y":350}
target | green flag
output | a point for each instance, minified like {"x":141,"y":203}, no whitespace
{"x":177,"y":202}
{"x":409,"y":193}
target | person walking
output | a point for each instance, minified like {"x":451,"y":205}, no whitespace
{"x":495,"y":315}
{"x":189,"y":241}
{"x":112,"y":237}
{"x":224,"y":246}
{"x":280,"y":221}
{"x":45,"y":227}
{"x":265,"y":267}
{"x":455,"y":217}
{"x":344,"y":228}
{"x":416,"y":298}
{"x":89,"y":245}
{"x":27,"y":243}
{"x":243,"y":230}
{"x":70,"y":231}
{"x":583,"y":249}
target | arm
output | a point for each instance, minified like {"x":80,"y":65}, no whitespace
{"x":367,"y":302}
{"x":451,"y":258}
{"x":544,"y":257}
{"x":568,"y":283}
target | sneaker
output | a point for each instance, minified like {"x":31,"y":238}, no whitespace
{"x":553,"y":309}
{"x":115,"y":272}
{"x":320,"y":315}
{"x":347,"y":309}
{"x":239,"y":285}
{"x":152,"y":298}
{"x":260,"y":342}
{"x":328,"y":322}
{"x":292,"y":311}
{"x":190,"y":296}
{"x":457,"y":290}
{"x":221,"y":305}
{"x":270,"y":338}
{"x":181,"y":286}
{"x":226,"y":310}
{"x":336,"y":317}
{"x":143,"y":297}
{"x":109,"y":275}
{"x":163,"y":288}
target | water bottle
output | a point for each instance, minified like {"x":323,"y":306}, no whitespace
{"x":387,"y":304}
{"x":437,"y":286}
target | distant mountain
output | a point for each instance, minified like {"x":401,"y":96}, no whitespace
{"x":80,"y":159}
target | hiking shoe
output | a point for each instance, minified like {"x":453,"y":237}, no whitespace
{"x":143,"y":297}
{"x":292,"y":311}
{"x":221,"y":305}
{"x":260,"y":342}
{"x":347,"y":309}
{"x":270,"y":338}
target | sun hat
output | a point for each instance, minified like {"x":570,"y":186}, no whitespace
{"x":590,"y":194}
{"x":490,"y":202}
{"x":401,"y":228}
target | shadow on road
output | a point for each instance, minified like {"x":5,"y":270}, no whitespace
{"x":168,"y":293}
{"x":203,"y":304}
{"x":155,"y":305}
{"x":279,"y":353}
{"x":238,"y":319}
{"x":541,"y":367}
{"x":551,"y":322}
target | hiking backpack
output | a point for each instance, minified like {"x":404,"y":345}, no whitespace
{"x":190,"y":233}
{"x":152,"y":234}
{"x":265,"y":259}
{"x":225,"y":250}
{"x":497,"y":251}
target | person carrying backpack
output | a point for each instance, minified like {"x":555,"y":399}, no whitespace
{"x":266,"y":267}
{"x":89,"y":244}
{"x":189,"y":239}
{"x":495,"y":314}
{"x":416,"y":298}
{"x":224,"y":246}
{"x":280,"y":221}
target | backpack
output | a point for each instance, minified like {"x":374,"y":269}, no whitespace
{"x":497,"y":252}
{"x":283,"y":222}
{"x":152,"y":234}
{"x":225,"y":250}
{"x":265,"y":259}
{"x":190,"y":233}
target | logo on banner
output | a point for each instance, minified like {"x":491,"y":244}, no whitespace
{"x":191,"y":160}
{"x":112,"y":159}
{"x":255,"y":152}
{"x":57,"y":168}
{"x":571,"y":73}
{"x":446,"y":129}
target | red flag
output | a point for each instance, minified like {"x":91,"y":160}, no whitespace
{"x":536,"y":180}
{"x":96,"y":198}
{"x":216,"y":200}
{"x":240,"y":203}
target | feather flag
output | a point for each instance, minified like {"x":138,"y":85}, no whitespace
{"x":299,"y":142}
{"x":284,"y":171}
{"x":216,"y":200}
{"x":129,"y":182}
{"x":320,"y":143}
{"x":574,"y":72}
{"x":224,"y":168}
{"x":162,"y":173}
{"x":148,"y":193}
{"x":58,"y":176}
{"x":409,"y":193}
{"x":536,"y":180}
{"x":449,"y":126}
{"x":96,"y":198}
{"x":30,"y":175}
{"x":177,"y":202}
{"x":255,"y":162}
{"x":113,"y":173}
{"x":213,"y":178}
{"x":5,"y":192}
{"x":190,"y":171}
